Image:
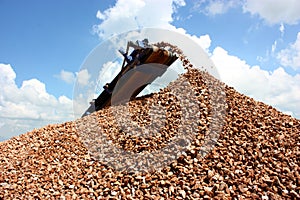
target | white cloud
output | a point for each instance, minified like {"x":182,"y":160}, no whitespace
{"x":178,"y":3}
{"x":271,"y":53}
{"x":219,"y":7}
{"x":281,"y":29}
{"x":100,"y":15}
{"x":83,"y":77}
{"x":274,"y":46}
{"x":290,"y":57}
{"x":276,"y":88}
{"x":127,"y":15}
{"x":204,"y":41}
{"x":274,"y":11}
{"x":29,"y":106}
{"x":214,"y":7}
{"x":66,"y":76}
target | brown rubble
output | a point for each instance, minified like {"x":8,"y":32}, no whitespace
{"x":256,"y":156}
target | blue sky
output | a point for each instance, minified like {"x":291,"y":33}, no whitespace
{"x":253,"y":44}
{"x":239,"y":33}
{"x":39,"y":38}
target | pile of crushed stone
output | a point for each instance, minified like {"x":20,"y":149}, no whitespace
{"x":256,"y":155}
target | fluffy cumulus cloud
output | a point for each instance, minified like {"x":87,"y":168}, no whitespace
{"x":276,"y":88}
{"x":128,"y":15}
{"x":66,"y":76}
{"x":274,"y":11}
{"x":29,"y":106}
{"x":83,"y":77}
{"x":290,"y":57}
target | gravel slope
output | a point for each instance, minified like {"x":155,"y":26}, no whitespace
{"x":256,"y":156}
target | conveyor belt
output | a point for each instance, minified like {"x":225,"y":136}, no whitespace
{"x":140,"y":56}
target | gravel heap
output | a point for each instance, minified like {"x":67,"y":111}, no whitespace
{"x":256,"y":155}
